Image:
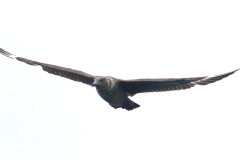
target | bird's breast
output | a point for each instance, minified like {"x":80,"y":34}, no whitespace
{"x":115,"y":97}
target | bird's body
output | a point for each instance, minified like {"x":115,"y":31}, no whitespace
{"x":116,"y":91}
{"x":114,"y":96}
{"x":113,"y":93}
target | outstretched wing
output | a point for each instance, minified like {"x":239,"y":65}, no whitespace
{"x":53,"y":69}
{"x":133,"y":87}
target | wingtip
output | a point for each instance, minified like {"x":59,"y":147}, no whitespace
{"x":7,"y":54}
{"x":216,"y":78}
{"x":232,"y":71}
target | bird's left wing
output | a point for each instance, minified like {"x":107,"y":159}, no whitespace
{"x":133,"y":87}
{"x":56,"y":70}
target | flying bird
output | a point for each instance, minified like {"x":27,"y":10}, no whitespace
{"x":116,"y":91}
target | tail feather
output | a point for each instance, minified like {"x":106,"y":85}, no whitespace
{"x":130,"y":105}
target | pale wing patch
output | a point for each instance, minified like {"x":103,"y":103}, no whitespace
{"x":7,"y":54}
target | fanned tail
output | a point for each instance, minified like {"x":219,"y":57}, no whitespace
{"x":130,"y":105}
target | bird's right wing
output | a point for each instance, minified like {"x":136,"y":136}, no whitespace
{"x":133,"y":87}
{"x":56,"y":70}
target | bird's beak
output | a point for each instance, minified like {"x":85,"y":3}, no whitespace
{"x":94,"y":84}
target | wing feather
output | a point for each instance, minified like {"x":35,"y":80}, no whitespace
{"x":133,"y":87}
{"x":56,"y":70}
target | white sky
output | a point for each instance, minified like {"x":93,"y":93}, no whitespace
{"x":46,"y":117}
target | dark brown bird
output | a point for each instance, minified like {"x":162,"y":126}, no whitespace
{"x":116,"y":91}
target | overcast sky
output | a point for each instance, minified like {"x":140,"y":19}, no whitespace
{"x":46,"y":117}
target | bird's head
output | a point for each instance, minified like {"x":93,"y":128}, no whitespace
{"x":102,"y":82}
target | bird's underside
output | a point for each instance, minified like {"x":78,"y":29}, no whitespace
{"x":116,"y":91}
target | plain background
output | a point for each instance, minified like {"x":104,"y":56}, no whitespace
{"x":45,"y":117}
